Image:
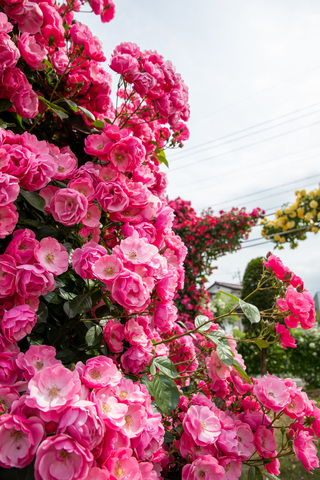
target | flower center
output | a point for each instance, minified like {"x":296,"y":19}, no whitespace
{"x":95,"y":374}
{"x":128,"y":419}
{"x":49,"y":257}
{"x":53,"y":392}
{"x":63,"y":454}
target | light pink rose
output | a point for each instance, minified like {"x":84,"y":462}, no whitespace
{"x":54,"y":388}
{"x":92,"y":219}
{"x":8,"y":271}
{"x":9,"y":189}
{"x":20,"y":438}
{"x":68,"y":206}
{"x":60,"y":457}
{"x":122,"y":460}
{"x":203,"y":467}
{"x":36,"y":358}
{"x":18,"y":322}
{"x":107,"y":268}
{"x":99,"y":372}
{"x":202,"y":424}
{"x":272,"y":392}
{"x":52,"y":256}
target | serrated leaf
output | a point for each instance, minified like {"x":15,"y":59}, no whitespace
{"x":166,"y":366}
{"x":80,"y":304}
{"x":225,"y":355}
{"x":199,"y":321}
{"x":165,"y":393}
{"x":240,"y":370}
{"x":33,"y":199}
{"x":4,"y":104}
{"x":261,"y":343}
{"x":251,"y":311}
{"x":93,"y":335}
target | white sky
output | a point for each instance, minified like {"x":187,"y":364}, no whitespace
{"x":249,"y":63}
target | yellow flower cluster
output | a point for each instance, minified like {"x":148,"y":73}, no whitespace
{"x":292,"y":222}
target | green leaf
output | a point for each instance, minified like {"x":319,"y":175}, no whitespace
{"x":66,"y":295}
{"x":102,"y":311}
{"x":251,"y":311}
{"x":4,"y":104}
{"x":166,"y":366}
{"x":98,"y":124}
{"x":258,"y":473}
{"x":230,"y":295}
{"x":240,"y":370}
{"x":218,"y":338}
{"x":65,"y":355}
{"x":168,"y":437}
{"x":161,"y":156}
{"x":165,"y":393}
{"x":93,"y":335}
{"x":144,"y":379}
{"x":200,"y":320}
{"x":87,"y":112}
{"x":33,"y":199}
{"x":251,"y":474}
{"x":261,"y":343}
{"x":153,"y":370}
{"x":71,"y":104}
{"x":42,"y":313}
{"x":270,"y":475}
{"x":80,"y":304}
{"x":225,"y":355}
{"x":61,"y":112}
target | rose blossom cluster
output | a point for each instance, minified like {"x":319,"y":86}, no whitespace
{"x":216,"y":442}
{"x":88,"y":423}
{"x":154,"y":80}
{"x":297,"y":307}
{"x":27,"y":270}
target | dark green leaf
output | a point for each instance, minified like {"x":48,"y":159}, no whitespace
{"x":168,"y":437}
{"x":240,"y":370}
{"x":225,"y":355}
{"x":80,"y":304}
{"x":93,"y":335}
{"x":4,"y":104}
{"x":271,"y":476}
{"x":166,"y":366}
{"x":252,"y":473}
{"x":200,"y":320}
{"x":52,"y":297}
{"x":34,"y":199}
{"x":165,"y":393}
{"x":261,"y":343}
{"x":65,"y":355}
{"x":144,"y":379}
{"x":66,"y":295}
{"x":251,"y":311}
{"x":42,"y":313}
{"x":102,"y":311}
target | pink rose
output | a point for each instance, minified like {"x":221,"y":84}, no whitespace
{"x":203,"y":467}
{"x":85,"y":258}
{"x":32,"y":52}
{"x":20,"y":438}
{"x":52,"y":256}
{"x":9,"y":189}
{"x":8,"y":219}
{"x":9,"y":54}
{"x":113,"y":335}
{"x":272,"y":392}
{"x":111,"y":197}
{"x":68,"y":206}
{"x":202,"y":425}
{"x":33,"y":281}
{"x":8,"y":271}
{"x":60,"y":457}
{"x":130,"y":292}
{"x":25,"y":103}
{"x":18,"y":322}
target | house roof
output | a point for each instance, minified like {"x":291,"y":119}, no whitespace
{"x":233,"y":286}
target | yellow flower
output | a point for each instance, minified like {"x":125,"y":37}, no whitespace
{"x":277,"y":238}
{"x":308,"y":216}
{"x":292,"y":215}
{"x":290,"y":225}
{"x":313,"y":204}
{"x":287,"y":210}
{"x":300,"y":212}
{"x":315,"y":229}
{"x":282,"y":239}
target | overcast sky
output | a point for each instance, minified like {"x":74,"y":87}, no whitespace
{"x":253,"y":71}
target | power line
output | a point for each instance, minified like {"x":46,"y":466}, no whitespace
{"x":189,"y":152}
{"x":241,"y":169}
{"x":245,"y":146}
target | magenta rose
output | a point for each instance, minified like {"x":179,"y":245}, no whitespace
{"x":34,"y":280}
{"x":130,"y":292}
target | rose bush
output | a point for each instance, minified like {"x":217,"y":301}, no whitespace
{"x":98,"y":380}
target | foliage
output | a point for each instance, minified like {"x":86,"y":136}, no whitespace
{"x":293,"y":221}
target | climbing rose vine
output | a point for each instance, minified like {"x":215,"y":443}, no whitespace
{"x":98,"y":380}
